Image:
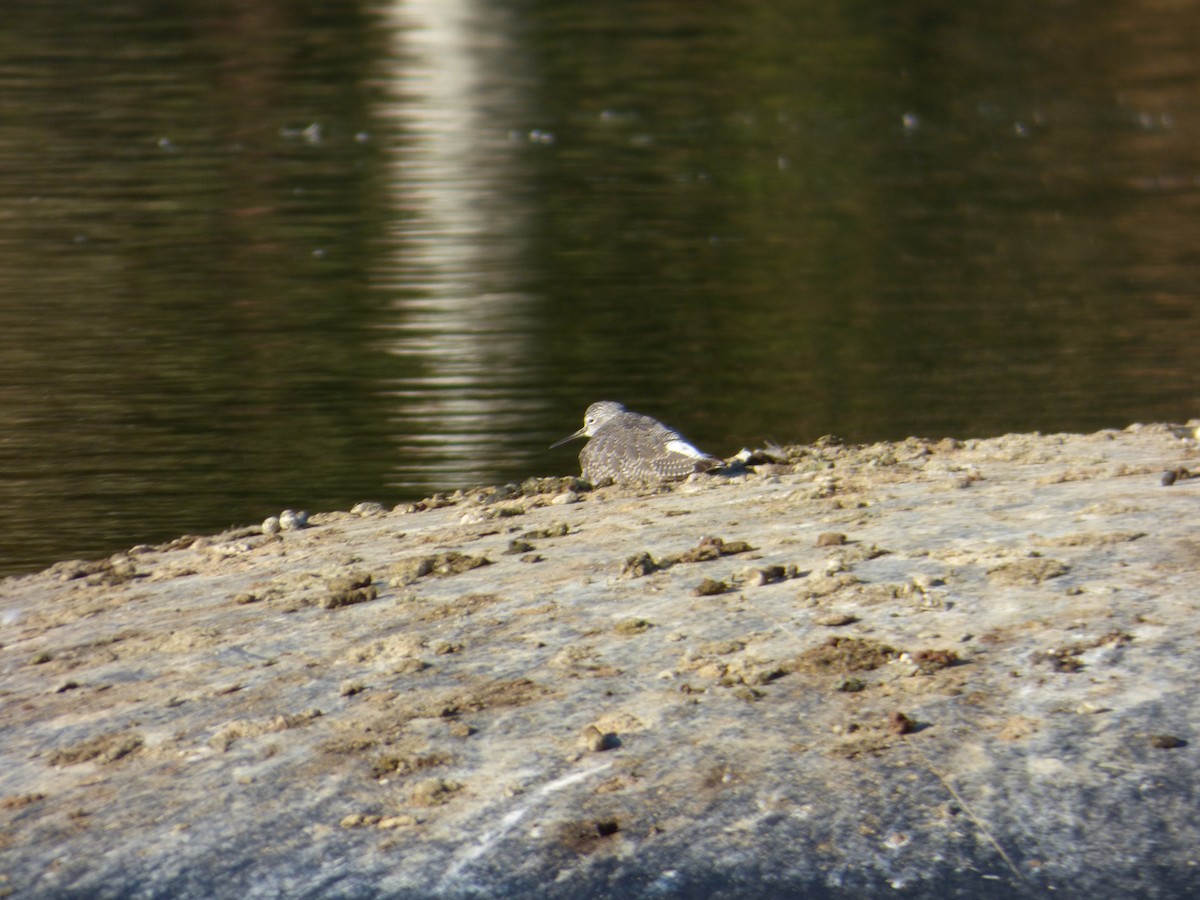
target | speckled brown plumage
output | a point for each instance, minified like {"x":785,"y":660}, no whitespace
{"x":627,"y":446}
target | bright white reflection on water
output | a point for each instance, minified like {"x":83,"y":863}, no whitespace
{"x":453,"y":264}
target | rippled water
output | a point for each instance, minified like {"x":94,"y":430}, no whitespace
{"x":301,"y":254}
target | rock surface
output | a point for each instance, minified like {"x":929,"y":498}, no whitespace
{"x":915,"y":669}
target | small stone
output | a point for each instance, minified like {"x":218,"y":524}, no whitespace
{"x":1166,"y":741}
{"x":408,"y":666}
{"x":639,"y":565}
{"x":632,"y":626}
{"x":404,"y":821}
{"x":930,"y":661}
{"x":434,"y":792}
{"x":712,"y":548}
{"x":710,"y":587}
{"x":348,"y":598}
{"x":270,"y":525}
{"x":441,"y":565}
{"x":347,"y":590}
{"x":350,"y":582}
{"x":757,"y":577}
{"x":834,"y":620}
{"x":598,"y":741}
{"x":357,"y":820}
{"x":290,"y":520}
{"x":452,"y":563}
{"x":898,"y":723}
{"x":731,"y":547}
{"x":564,"y":498}
{"x":830,"y":539}
{"x":368,"y":508}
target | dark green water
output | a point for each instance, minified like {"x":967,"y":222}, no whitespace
{"x":304,"y":254}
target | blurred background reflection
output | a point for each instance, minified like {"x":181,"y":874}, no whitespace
{"x":303,"y":254}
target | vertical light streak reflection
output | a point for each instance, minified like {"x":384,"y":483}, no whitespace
{"x":454,"y":95}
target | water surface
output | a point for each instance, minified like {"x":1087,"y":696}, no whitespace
{"x":306,"y":254}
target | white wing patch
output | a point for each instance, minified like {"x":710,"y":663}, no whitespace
{"x":683,"y":448}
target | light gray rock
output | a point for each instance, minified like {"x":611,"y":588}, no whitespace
{"x":988,"y":690}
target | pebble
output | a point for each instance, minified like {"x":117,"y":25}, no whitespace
{"x":347,"y":590}
{"x":290,"y":520}
{"x":757,"y":577}
{"x":403,"y":821}
{"x":356,"y":820}
{"x":1166,"y":741}
{"x":833,"y":620}
{"x":639,"y":565}
{"x":598,"y":741}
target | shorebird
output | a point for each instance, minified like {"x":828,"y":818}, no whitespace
{"x":627,"y":446}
